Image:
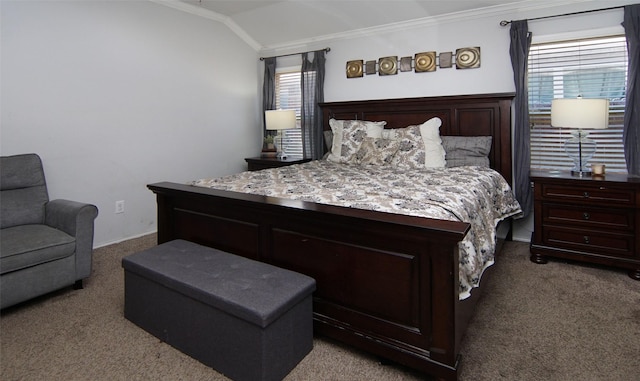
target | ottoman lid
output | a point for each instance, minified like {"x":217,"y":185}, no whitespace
{"x":250,"y":290}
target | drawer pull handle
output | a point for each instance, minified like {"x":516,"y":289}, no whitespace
{"x":586,"y":215}
{"x":586,"y":194}
{"x":586,"y":239}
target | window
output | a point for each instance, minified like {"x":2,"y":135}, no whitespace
{"x":289,"y":96}
{"x":591,"y":68}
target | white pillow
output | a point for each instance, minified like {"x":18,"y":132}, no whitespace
{"x":434,"y":151}
{"x":373,"y":130}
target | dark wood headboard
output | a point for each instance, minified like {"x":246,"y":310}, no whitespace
{"x":462,"y":115}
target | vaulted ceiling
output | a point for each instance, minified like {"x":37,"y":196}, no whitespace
{"x":273,"y":24}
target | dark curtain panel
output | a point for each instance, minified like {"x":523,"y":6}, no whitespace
{"x":519,"y":51}
{"x":268,"y":89}
{"x":631,"y":133}
{"x":312,"y":82}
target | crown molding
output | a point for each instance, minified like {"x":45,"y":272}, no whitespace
{"x":194,"y":10}
{"x":497,"y":10}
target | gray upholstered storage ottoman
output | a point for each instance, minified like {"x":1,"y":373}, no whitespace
{"x":246,"y":319}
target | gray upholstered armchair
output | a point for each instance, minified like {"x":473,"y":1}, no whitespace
{"x":45,"y":245}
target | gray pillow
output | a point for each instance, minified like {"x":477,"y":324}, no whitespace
{"x":328,"y":139}
{"x":467,"y":150}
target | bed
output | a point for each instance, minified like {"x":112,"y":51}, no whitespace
{"x":387,"y":283}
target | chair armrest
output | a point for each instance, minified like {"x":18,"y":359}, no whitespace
{"x":76,"y":219}
{"x":70,"y":216}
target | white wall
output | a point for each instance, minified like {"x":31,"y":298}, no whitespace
{"x":115,"y":95}
{"x":495,"y":74}
{"x":446,"y":35}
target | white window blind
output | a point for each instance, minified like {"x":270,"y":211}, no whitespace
{"x":289,"y":96}
{"x":591,"y":68}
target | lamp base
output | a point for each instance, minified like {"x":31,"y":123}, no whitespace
{"x":282,"y":155}
{"x":580,"y":149}
{"x":581,"y":173}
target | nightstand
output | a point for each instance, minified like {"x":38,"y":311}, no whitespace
{"x":258,"y":163}
{"x":591,"y":219}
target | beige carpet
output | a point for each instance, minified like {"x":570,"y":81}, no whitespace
{"x":536,"y":322}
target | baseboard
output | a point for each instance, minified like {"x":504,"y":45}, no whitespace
{"x":124,"y":239}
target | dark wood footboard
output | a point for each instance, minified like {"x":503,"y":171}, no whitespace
{"x":386,"y":283}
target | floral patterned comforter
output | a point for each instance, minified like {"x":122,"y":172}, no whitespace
{"x":477,"y":195}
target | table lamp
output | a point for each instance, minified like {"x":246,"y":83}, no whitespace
{"x":277,"y":120}
{"x":580,"y":114}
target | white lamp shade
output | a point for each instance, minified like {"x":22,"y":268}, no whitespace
{"x":280,"y":119}
{"x":580,"y":113}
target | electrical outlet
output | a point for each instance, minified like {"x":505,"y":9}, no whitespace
{"x":120,"y":206}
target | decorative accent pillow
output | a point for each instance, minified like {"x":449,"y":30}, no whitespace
{"x":420,"y":146}
{"x":348,"y":135}
{"x":410,"y":153}
{"x":467,"y":150}
{"x":376,"y":151}
{"x":353,"y":134}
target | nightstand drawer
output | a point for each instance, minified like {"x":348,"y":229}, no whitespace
{"x":588,"y":217}
{"x":601,"y":194}
{"x":619,"y":245}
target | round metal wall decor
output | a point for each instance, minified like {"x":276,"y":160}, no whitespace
{"x":388,"y":65}
{"x":425,"y":62}
{"x":468,"y":58}
{"x":354,"y":69}
{"x":465,"y":58}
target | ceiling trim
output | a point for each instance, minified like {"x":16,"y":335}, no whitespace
{"x":498,"y":10}
{"x":211,"y":15}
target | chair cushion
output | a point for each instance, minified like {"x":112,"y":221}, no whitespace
{"x":29,"y":245}
{"x":23,"y":206}
{"x":24,"y":190}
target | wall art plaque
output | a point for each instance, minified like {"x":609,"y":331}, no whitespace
{"x":388,"y":65}
{"x":468,"y":58}
{"x":425,"y":61}
{"x":354,"y":69}
{"x":464,"y":58}
{"x":405,"y":63}
{"x":445,"y":60}
{"x":370,"y":67}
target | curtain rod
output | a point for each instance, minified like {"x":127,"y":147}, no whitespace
{"x":293,"y":54}
{"x":505,"y":22}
